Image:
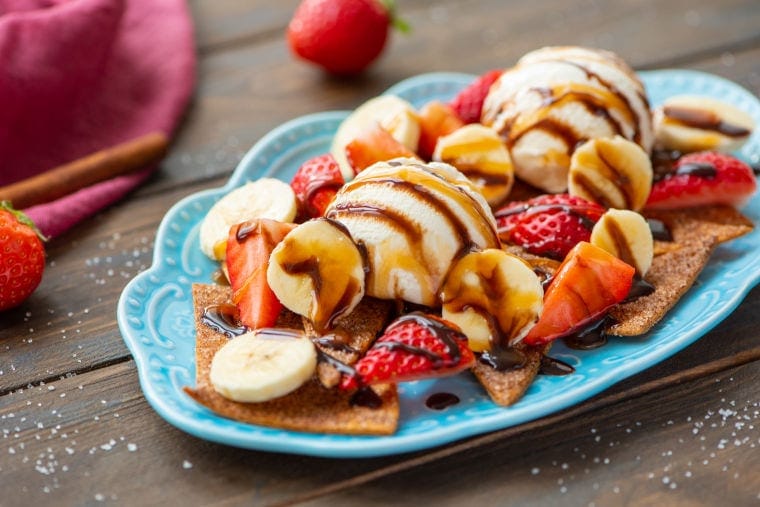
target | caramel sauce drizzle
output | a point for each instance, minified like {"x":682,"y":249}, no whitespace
{"x":595,"y":101}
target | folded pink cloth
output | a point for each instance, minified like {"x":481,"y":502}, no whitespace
{"x":77,"y":76}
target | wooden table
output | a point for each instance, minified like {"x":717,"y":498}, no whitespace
{"x":76,"y":429}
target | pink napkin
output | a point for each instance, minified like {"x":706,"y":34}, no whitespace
{"x":77,"y":76}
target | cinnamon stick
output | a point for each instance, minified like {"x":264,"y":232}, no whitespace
{"x":99,"y":166}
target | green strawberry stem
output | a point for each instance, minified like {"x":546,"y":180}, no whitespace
{"x":396,"y":22}
{"x":22,"y":218}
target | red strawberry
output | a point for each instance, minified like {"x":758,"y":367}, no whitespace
{"x":342,"y":36}
{"x":248,"y":248}
{"x":469,"y":102}
{"x":436,"y":120}
{"x":413,"y":347}
{"x":701,"y":179}
{"x":22,"y":257}
{"x":315,"y":184}
{"x":587,"y":283}
{"x":374,"y":145}
{"x":548,"y":225}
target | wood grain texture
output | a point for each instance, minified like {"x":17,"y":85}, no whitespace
{"x":681,"y":433}
{"x":246,"y":91}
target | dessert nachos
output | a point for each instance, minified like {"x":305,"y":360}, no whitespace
{"x":546,"y":201}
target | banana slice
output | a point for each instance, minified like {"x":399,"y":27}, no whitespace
{"x":611,"y":171}
{"x":626,"y":235}
{"x":493,"y":296}
{"x":689,"y":123}
{"x":263,"y":365}
{"x":479,"y":153}
{"x":317,"y":271}
{"x":263,"y":198}
{"x":394,"y":114}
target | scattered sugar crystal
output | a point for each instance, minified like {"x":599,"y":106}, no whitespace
{"x":186,"y":465}
{"x":535,"y":471}
{"x":133,"y":447}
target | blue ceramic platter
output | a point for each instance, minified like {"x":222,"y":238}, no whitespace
{"x":156,"y":318}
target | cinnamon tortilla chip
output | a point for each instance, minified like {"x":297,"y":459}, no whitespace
{"x":676,"y":265}
{"x":310,"y":408}
{"x":672,"y":274}
{"x":724,"y":223}
{"x":507,"y":387}
{"x":352,"y":336}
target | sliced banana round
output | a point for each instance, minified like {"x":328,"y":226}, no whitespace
{"x":263,"y":198}
{"x":689,"y":123}
{"x":480,"y":154}
{"x":317,"y":271}
{"x":626,"y":235}
{"x":263,"y":365}
{"x":394,"y":114}
{"x":611,"y":171}
{"x":493,"y":296}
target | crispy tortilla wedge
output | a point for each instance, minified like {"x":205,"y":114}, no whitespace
{"x":696,"y":232}
{"x":506,"y":387}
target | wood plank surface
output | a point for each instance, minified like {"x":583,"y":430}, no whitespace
{"x":76,"y":430}
{"x":246,"y":91}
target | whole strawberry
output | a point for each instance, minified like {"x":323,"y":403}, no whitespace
{"x":548,"y":225}
{"x":702,"y":179}
{"x":22,"y":257}
{"x":342,"y":36}
{"x":315,"y":184}
{"x":413,"y":347}
{"x":468,"y":103}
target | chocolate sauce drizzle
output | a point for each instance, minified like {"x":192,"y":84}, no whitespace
{"x":660,"y":231}
{"x":639,"y":288}
{"x":503,"y":358}
{"x":223,"y":318}
{"x":590,"y":336}
{"x":665,"y":165}
{"x":441,"y":401}
{"x":703,"y":120}
{"x":554,"y":367}
{"x":445,"y":334}
{"x":698,"y":169}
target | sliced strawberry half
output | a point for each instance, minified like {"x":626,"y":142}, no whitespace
{"x":413,"y":347}
{"x":315,"y":184}
{"x":374,"y":144}
{"x":249,"y":245}
{"x":468,"y":103}
{"x":587,"y":284}
{"x":548,"y":225}
{"x":436,"y":120}
{"x":701,"y":179}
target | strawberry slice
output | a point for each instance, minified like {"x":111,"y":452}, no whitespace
{"x":413,"y":347}
{"x":701,"y":179}
{"x":548,"y":225}
{"x":315,"y":184}
{"x":468,"y":103}
{"x":249,"y":245}
{"x":436,"y":120}
{"x":374,"y":144}
{"x":588,"y":282}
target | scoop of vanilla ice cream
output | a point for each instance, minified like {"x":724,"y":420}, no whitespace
{"x":556,"y":98}
{"x":414,"y":220}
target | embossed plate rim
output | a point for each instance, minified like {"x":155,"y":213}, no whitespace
{"x":163,"y":370}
